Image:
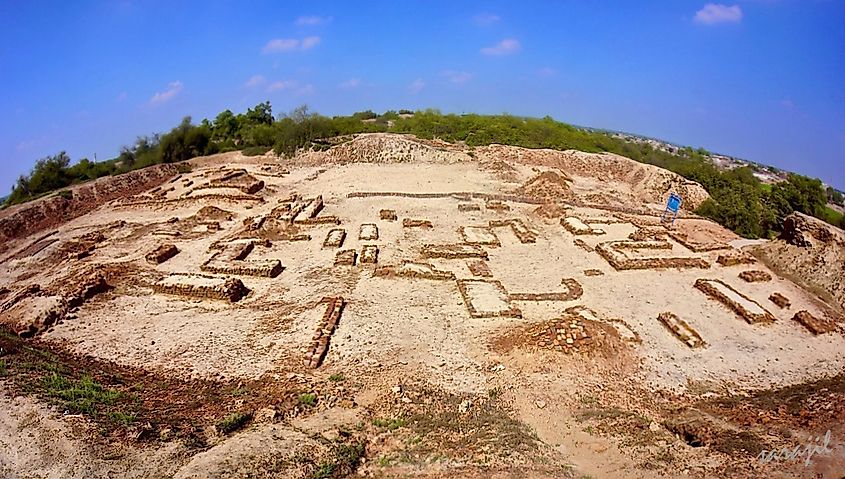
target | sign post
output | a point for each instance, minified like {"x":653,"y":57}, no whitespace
{"x":672,"y":207}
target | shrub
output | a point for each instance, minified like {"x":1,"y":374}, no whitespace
{"x":233,"y":422}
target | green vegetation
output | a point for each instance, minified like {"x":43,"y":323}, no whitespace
{"x":390,"y":424}
{"x":83,"y":396}
{"x":344,"y":462}
{"x":738,"y":200}
{"x":308,"y":399}
{"x":337,"y":378}
{"x":233,"y":422}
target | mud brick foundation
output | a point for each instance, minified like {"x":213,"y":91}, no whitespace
{"x":497,"y":205}
{"x":610,"y":251}
{"x":226,"y":289}
{"x":345,"y":257}
{"x":577,"y":227}
{"x":583,"y":245}
{"x":319,"y":346}
{"x":311,"y":210}
{"x":573,"y":291}
{"x":593,"y":272}
{"x":411,"y":269}
{"x":735,"y":258}
{"x":466,"y":286}
{"x":813,"y":324}
{"x":755,"y":276}
{"x":416,"y":223}
{"x":388,"y":215}
{"x":696,"y":246}
{"x":369,"y":254}
{"x":334,"y":239}
{"x":468,"y":207}
{"x":644,"y":233}
{"x":162,"y":254}
{"x":681,"y":329}
{"x":478,"y":235}
{"x":368,"y":232}
{"x":519,"y":228}
{"x":231,"y":261}
{"x":479,"y":268}
{"x":320,"y":220}
{"x":707,"y":286}
{"x":453,"y":251}
{"x":780,"y":300}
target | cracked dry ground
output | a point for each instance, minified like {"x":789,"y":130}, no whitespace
{"x":480,"y":343}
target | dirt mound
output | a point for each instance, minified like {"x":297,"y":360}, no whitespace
{"x":549,"y":185}
{"x":28,"y":218}
{"x":550,"y":210}
{"x":647,"y":183}
{"x":212,"y":213}
{"x":812,"y":254}
{"x":386,"y":148}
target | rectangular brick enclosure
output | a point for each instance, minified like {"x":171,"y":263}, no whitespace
{"x":335,"y":237}
{"x":742,"y":305}
{"x":486,"y":299}
{"x":479,"y":235}
{"x":202,"y":286}
{"x":368,"y":232}
{"x":453,"y":251}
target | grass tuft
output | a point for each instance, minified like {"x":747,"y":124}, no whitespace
{"x":83,"y":396}
{"x":308,"y":399}
{"x":233,"y":422}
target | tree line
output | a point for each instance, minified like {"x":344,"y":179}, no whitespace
{"x":738,"y":200}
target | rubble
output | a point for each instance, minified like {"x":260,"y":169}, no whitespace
{"x":681,"y":329}
{"x":813,"y":324}
{"x":161,"y":254}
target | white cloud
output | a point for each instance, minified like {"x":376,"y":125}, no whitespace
{"x":416,"y":86}
{"x":546,"y":72}
{"x":282,"y":85}
{"x":254,"y":81}
{"x":291,"y":86}
{"x":279,"y":45}
{"x":715,"y":13}
{"x":310,"y":42}
{"x":172,"y":90}
{"x":457,"y":77}
{"x":505,"y":47}
{"x":311,"y":20}
{"x":485,"y":19}
{"x":350,"y":84}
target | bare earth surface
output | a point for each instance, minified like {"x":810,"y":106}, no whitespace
{"x":515,"y":336}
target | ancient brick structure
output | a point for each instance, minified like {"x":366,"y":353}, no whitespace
{"x":612,"y":252}
{"x":583,"y":245}
{"x":681,"y":329}
{"x":577,"y":227}
{"x":345,"y":257}
{"x":813,"y":324}
{"x":751,"y":311}
{"x":497,"y":205}
{"x":495,"y":302}
{"x":388,"y":215}
{"x":368,"y":232}
{"x":412,"y":269}
{"x":468,"y":207}
{"x":238,"y":179}
{"x":478,"y":235}
{"x":453,"y":251}
{"x":696,"y":246}
{"x":231,"y":260}
{"x":201,"y":286}
{"x":566,"y":334}
{"x":416,"y":223}
{"x":479,"y":268}
{"x":755,"y":276}
{"x":518,"y":227}
{"x":369,"y":254}
{"x":573,"y":291}
{"x":322,"y":335}
{"x":162,"y":253}
{"x":780,"y":300}
{"x":593,"y":272}
{"x":734,"y":258}
{"x":334,"y":239}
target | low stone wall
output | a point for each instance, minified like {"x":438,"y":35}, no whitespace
{"x":334,"y":238}
{"x":681,"y":329}
{"x":388,"y":215}
{"x":411,"y":269}
{"x":755,"y":276}
{"x":453,"y":251}
{"x":319,"y":346}
{"x":573,"y":291}
{"x":228,"y":289}
{"x":696,"y":246}
{"x":369,"y":254}
{"x":780,"y":300}
{"x":593,"y":272}
{"x":707,"y":287}
{"x":479,"y":268}
{"x":620,"y":262}
{"x":462,"y":196}
{"x":497,"y":205}
{"x":510,"y":312}
{"x":162,"y":253}
{"x":267,"y":269}
{"x":735,"y":258}
{"x":583,"y":245}
{"x":518,"y":227}
{"x":464,"y":207}
{"x":416,"y":223}
{"x":813,"y":324}
{"x":345,"y":257}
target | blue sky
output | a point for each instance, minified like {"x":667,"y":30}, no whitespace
{"x":763,"y":80}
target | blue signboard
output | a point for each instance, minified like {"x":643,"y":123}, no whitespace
{"x":674,"y":203}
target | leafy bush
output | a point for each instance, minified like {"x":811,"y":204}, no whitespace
{"x":255,"y":150}
{"x":233,"y":422}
